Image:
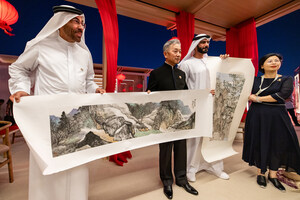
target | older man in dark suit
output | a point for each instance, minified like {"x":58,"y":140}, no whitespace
{"x":168,"y":77}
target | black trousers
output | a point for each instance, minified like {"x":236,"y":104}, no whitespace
{"x":165,"y":162}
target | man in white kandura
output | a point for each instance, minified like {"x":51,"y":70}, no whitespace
{"x":194,"y":64}
{"x":56,"y":61}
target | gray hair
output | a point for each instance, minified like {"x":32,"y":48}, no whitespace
{"x":169,"y":43}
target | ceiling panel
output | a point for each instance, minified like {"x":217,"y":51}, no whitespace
{"x":212,"y":16}
{"x":228,"y":13}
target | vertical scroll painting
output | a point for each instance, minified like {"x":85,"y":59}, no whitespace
{"x":232,"y":79}
{"x":228,"y":90}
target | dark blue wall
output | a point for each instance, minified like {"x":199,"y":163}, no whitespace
{"x":33,"y":15}
{"x":140,"y":43}
{"x":282,"y":36}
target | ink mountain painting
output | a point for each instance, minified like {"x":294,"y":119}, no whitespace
{"x":95,"y":125}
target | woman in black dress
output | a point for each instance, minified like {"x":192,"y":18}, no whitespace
{"x":270,"y":140}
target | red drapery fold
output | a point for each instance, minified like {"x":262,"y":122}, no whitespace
{"x":241,"y":41}
{"x":108,"y":13}
{"x":185,"y":23}
{"x":232,"y":43}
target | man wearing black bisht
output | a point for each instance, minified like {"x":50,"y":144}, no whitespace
{"x":168,"y":77}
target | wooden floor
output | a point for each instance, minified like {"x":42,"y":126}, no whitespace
{"x":139,"y":179}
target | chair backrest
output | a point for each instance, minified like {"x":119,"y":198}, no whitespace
{"x":4,"y":125}
{"x":5,"y":148}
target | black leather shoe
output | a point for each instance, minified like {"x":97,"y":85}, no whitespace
{"x":261,"y":181}
{"x":168,"y":191}
{"x":188,"y":188}
{"x":276,"y":183}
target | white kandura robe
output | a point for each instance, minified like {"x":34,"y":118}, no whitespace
{"x":197,"y":77}
{"x":59,"y":67}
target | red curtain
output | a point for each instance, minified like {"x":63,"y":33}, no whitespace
{"x":232,"y":43}
{"x":185,"y":23}
{"x":108,"y":13}
{"x":241,"y":41}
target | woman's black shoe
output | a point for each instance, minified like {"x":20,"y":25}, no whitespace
{"x":261,"y":181}
{"x":276,"y":183}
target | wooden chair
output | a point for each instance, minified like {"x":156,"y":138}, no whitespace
{"x":15,"y":134}
{"x":5,"y":149}
{"x":14,"y":131}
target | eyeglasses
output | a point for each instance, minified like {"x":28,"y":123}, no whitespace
{"x":78,"y":22}
{"x":271,"y":61}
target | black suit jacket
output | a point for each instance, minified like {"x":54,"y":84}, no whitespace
{"x":167,"y":77}
{"x":162,"y":79}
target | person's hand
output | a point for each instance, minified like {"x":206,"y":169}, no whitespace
{"x":224,"y":56}
{"x":252,"y":98}
{"x":148,"y":91}
{"x":101,"y":91}
{"x":17,"y":96}
{"x":213,"y":92}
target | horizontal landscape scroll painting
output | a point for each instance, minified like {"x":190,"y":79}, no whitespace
{"x":97,"y":125}
{"x":68,"y":130}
